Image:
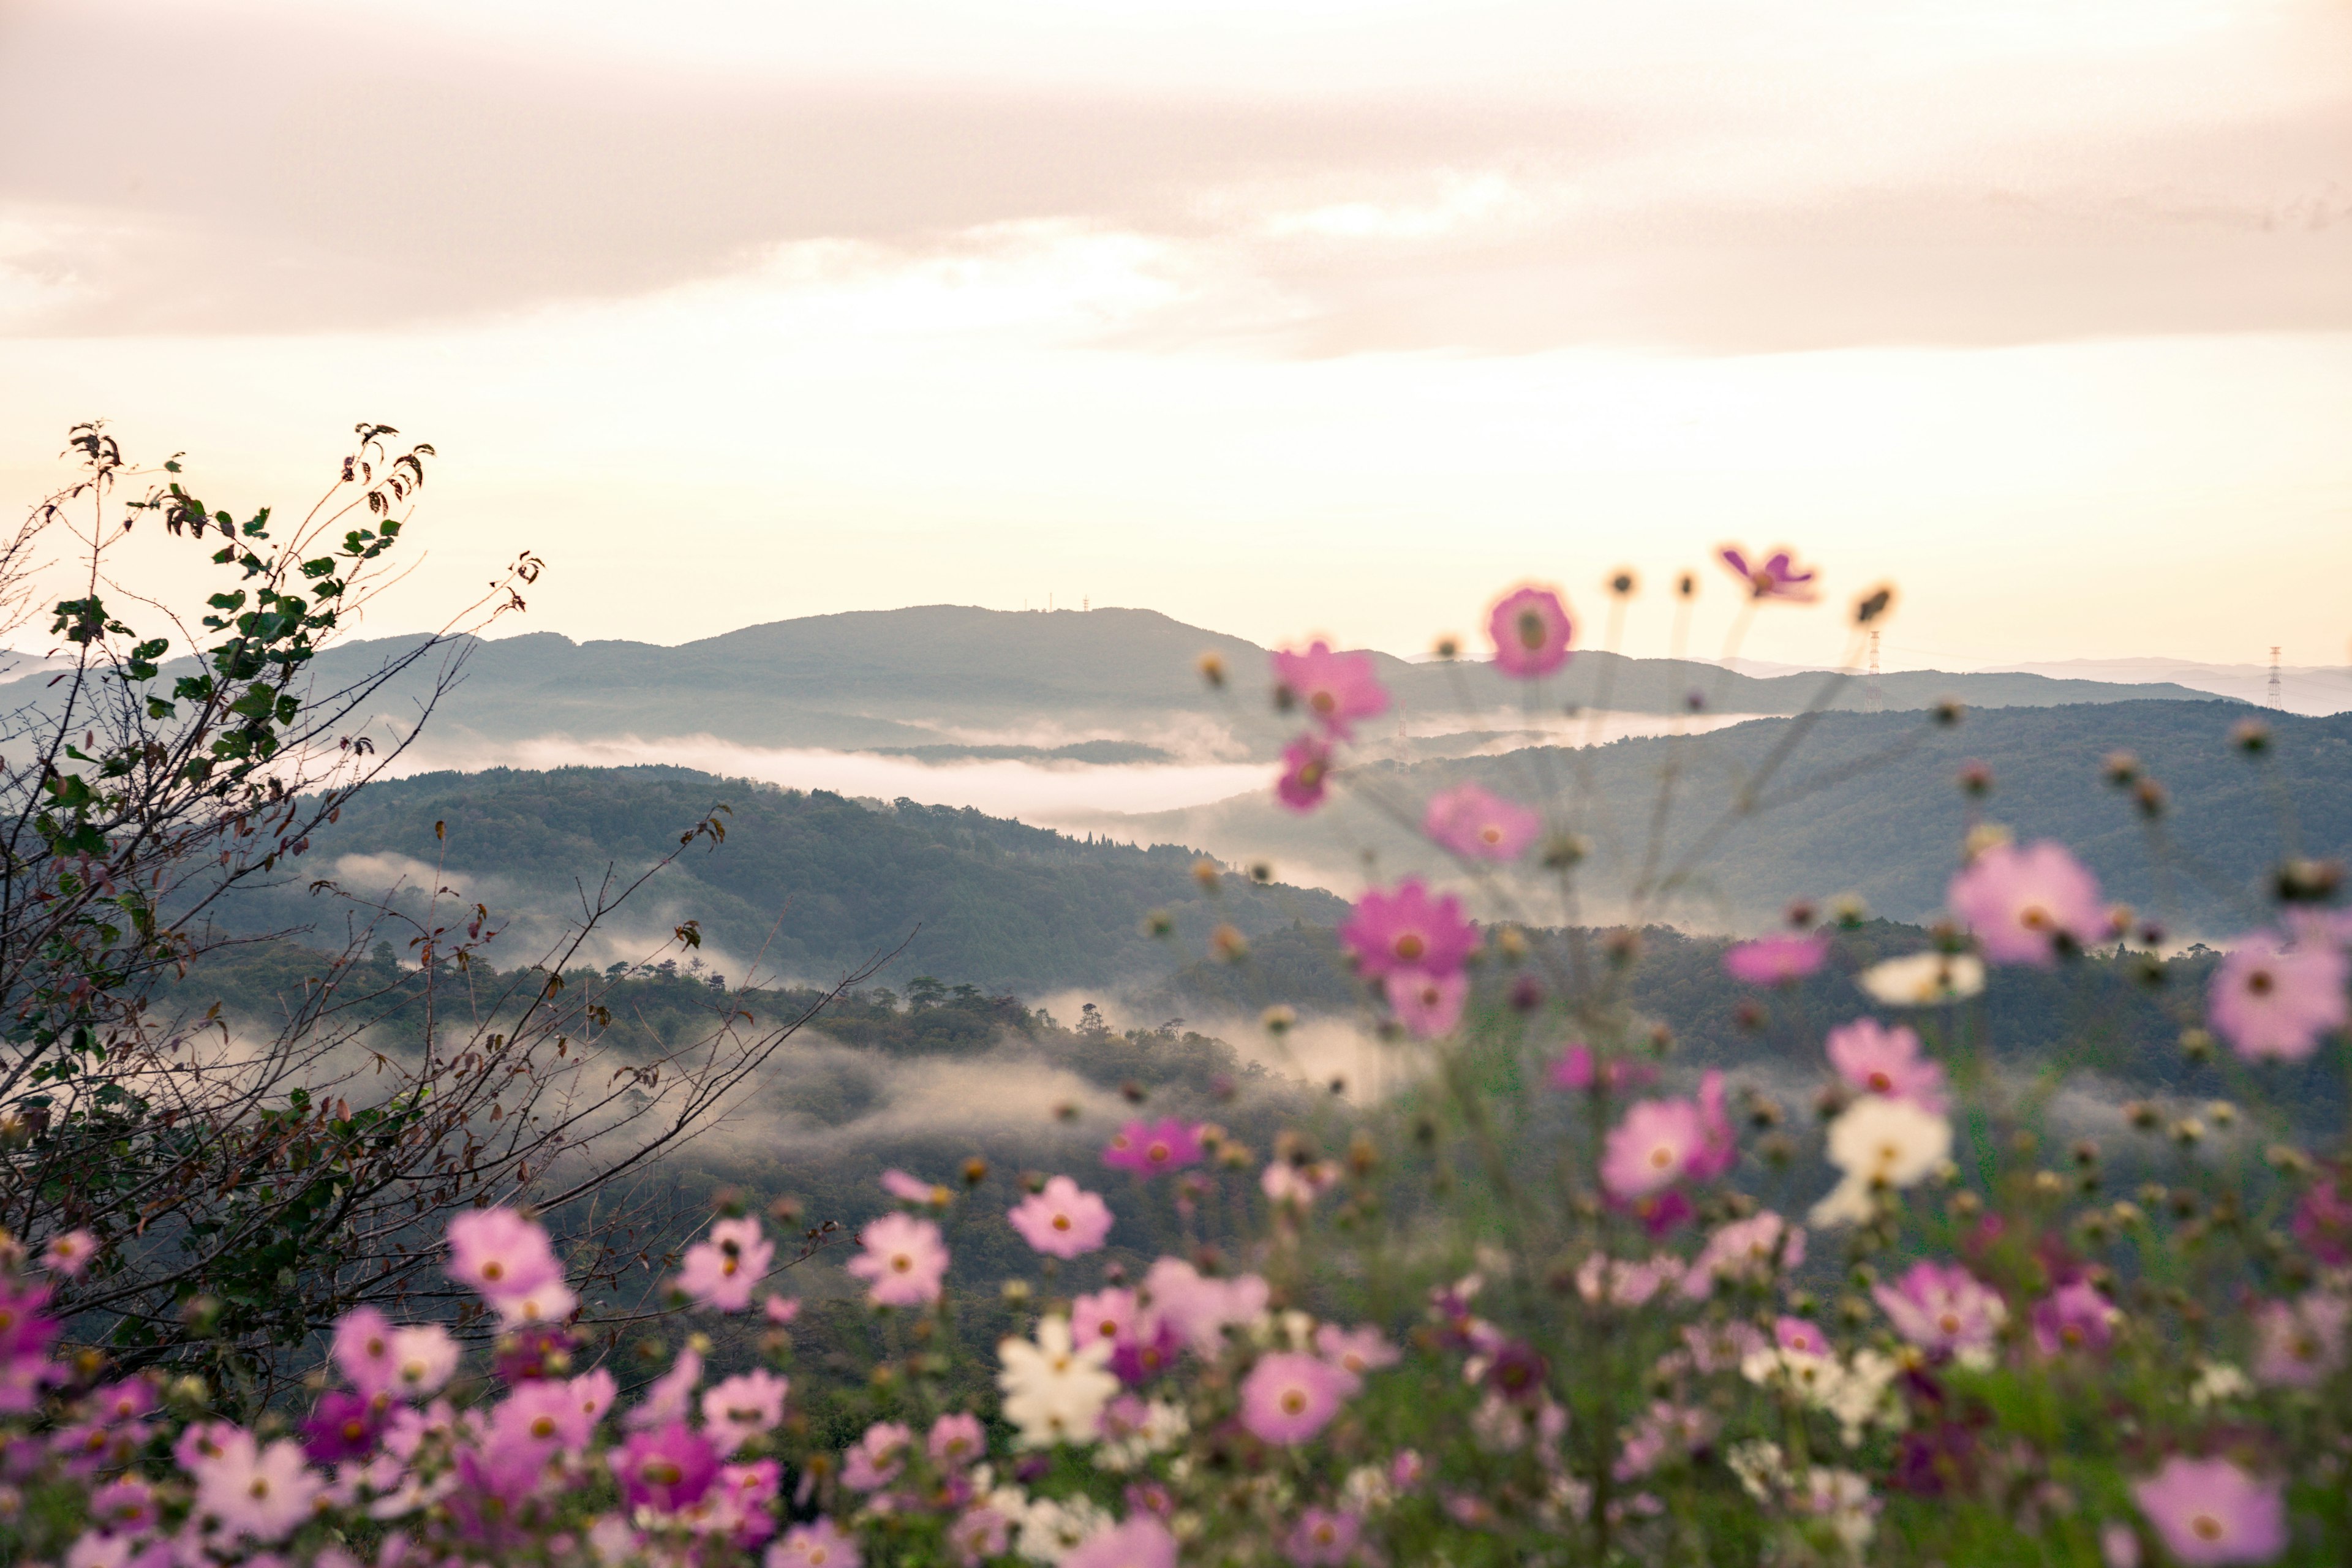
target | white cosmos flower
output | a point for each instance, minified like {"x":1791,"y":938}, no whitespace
{"x":1880,"y":1143}
{"x":1924,"y":979}
{"x":1054,"y":1390}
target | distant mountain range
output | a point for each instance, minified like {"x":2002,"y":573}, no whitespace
{"x":2314,"y":689}
{"x":940,"y":681}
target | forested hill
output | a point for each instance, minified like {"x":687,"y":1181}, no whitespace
{"x":816,"y":883}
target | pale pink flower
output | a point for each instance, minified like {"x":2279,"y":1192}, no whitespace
{"x":903,"y":1263}
{"x":1111,"y":1315}
{"x":1477,"y":826}
{"x":1530,"y":630}
{"x":2073,"y":1317}
{"x":1288,"y":1398}
{"x":592,"y":1394}
{"x":1745,"y":1252}
{"x":1406,"y":928}
{"x":875,"y":1459}
{"x":502,"y":1255}
{"x":1335,"y":688}
{"x":2272,"y":1002}
{"x":1780,"y":959}
{"x":1650,"y":1149}
{"x":261,"y":1493}
{"x":1799,"y":1335}
{"x":1576,"y":1070}
{"x":361,"y":1350}
{"x":1879,"y":1060}
{"x":1774,"y":577}
{"x":2025,"y":905}
{"x":1141,"y":1542}
{"x":425,"y":1356}
{"x":669,"y":1397}
{"x":1323,"y":1538}
{"x":2299,"y":1344}
{"x":956,"y":1440}
{"x":541,"y":1412}
{"x":1942,"y":1307}
{"x":820,"y":1544}
{"x":2211,"y":1512}
{"x":1627,"y":1282}
{"x":722,"y":1272}
{"x":1149,"y":1148}
{"x":1200,"y":1309}
{"x":1306,"y":776}
{"x":915,"y":1190}
{"x":782,"y":1309}
{"x":742,"y":1407}
{"x":1063,"y":1221}
{"x":979,"y":1534}
{"x":1297,"y":1185}
{"x":70,"y":1252}
{"x":1428,"y":1005}
{"x":1354,"y":1350}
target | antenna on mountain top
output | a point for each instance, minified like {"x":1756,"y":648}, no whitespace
{"x":1085,"y":604}
{"x":1875,"y":697}
{"x":2275,"y":700}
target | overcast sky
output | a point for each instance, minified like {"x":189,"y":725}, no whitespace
{"x":1276,"y":315}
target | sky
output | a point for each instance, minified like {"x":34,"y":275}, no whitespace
{"x":1278,"y":317}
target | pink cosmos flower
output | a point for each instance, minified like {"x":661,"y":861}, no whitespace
{"x":126,"y":1506}
{"x":1150,"y":1148}
{"x":1198,"y":1308}
{"x":903,"y":1263}
{"x":1323,"y":1538}
{"x":529,"y":1428}
{"x":361,"y":1350}
{"x":782,"y":1309}
{"x":263,"y":1493}
{"x":511,"y":1263}
{"x":914,"y":1189}
{"x":1354,"y":1350}
{"x":2211,"y":1512}
{"x":1649,"y":1150}
{"x":876,"y":1459}
{"x":68,"y":1253}
{"x":738,"y":1506}
{"x":1407,"y":929}
{"x":1063,"y":1221}
{"x":342,"y":1425}
{"x":1879,"y":1060}
{"x":1942,"y":1307}
{"x":979,"y":1534}
{"x":2073,"y":1317}
{"x":1781,"y":959}
{"x":26,"y":1331}
{"x":1799,"y":1335}
{"x":1477,"y":826}
{"x":592,"y":1394}
{"x":1530,"y":630}
{"x":1774,"y":577}
{"x":1335,"y":688}
{"x":2323,"y":1223}
{"x":1719,"y":1151}
{"x":1746,"y":1251}
{"x":1110,"y":1315}
{"x":2272,"y":1002}
{"x":820,"y":1544}
{"x":2299,"y":1344}
{"x":1305,"y":774}
{"x":669,"y":1398}
{"x":1428,"y":1005}
{"x":667,"y":1471}
{"x":1141,"y":1542}
{"x":742,"y":1407}
{"x":1289,"y":1397}
{"x":956,"y":1440}
{"x":2025,"y":904}
{"x":1575,"y":1069}
{"x":721,"y":1273}
{"x":531,"y":1350}
{"x":1297,"y":1187}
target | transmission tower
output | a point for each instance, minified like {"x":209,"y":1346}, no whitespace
{"x":2275,"y":700}
{"x":1874,"y":697}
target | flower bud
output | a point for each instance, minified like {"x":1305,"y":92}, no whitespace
{"x":1213,"y":669}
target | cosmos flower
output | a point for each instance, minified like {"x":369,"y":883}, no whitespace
{"x":1406,"y":928}
{"x":1200,"y":1309}
{"x":342,"y":1426}
{"x":2073,"y":1317}
{"x":1354,"y":1350}
{"x":669,"y":1397}
{"x":1882,"y":1061}
{"x":980,"y":1535}
{"x":1305,"y":775}
{"x":1323,"y":1538}
{"x":1745,"y":1251}
{"x":2211,"y":1512}
{"x":1477,"y":826}
{"x":260,"y":1493}
{"x":1924,"y":979}
{"x":510,"y":1260}
{"x":741,"y":1407}
{"x":1530,"y":630}
{"x":819,"y":1544}
{"x":1335,"y":688}
{"x":722,"y":1272}
{"x":1063,"y":1221}
{"x":1774,"y":577}
{"x":2300,"y":1344}
{"x":915,"y":1190}
{"x":1799,"y":1335}
{"x":1576,"y":1070}
{"x":1880,"y":1143}
{"x":2272,"y":1002}
{"x":1288,"y":1398}
{"x":1650,"y":1148}
{"x":956,"y":1439}
{"x":1942,"y":1307}
{"x":1781,"y":959}
{"x":1428,"y":1005}
{"x":70,"y":1252}
{"x":1150,"y":1148}
{"x":878,"y":1457}
{"x":2026,"y":905}
{"x":1141,"y":1542}
{"x":666,"y":1469}
{"x":1055,"y":1387}
{"x":903,"y":1263}
{"x":1298,"y":1185}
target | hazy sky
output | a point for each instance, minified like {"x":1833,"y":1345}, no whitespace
{"x":1272,"y":314}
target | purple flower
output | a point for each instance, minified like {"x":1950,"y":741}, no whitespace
{"x":1150,"y":1148}
{"x":1335,"y":688}
{"x":1781,"y":959}
{"x":1530,"y":630}
{"x":722,"y":1272}
{"x":126,"y":1506}
{"x":1064,"y":1220}
{"x":1141,"y":1542}
{"x":2298,"y":1344}
{"x":2026,"y":904}
{"x":2211,"y":1512}
{"x":2073,"y":1317}
{"x":1774,"y":577}
{"x":904,"y":1261}
{"x":1407,"y":929}
{"x":342,"y":1426}
{"x":1305,"y":774}
{"x":1289,"y":1397}
{"x":666,"y":1469}
{"x":542,"y":1350}
{"x":1942,"y":1307}
{"x":1575,"y":1069}
{"x":1477,"y":826}
{"x":2272,"y":1002}
{"x":2323,"y":1223}
{"x":1323,"y":1538}
{"x":1876,"y":1059}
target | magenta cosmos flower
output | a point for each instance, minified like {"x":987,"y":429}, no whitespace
{"x":1141,"y":1542}
{"x":1477,"y":826}
{"x":2272,"y":1001}
{"x":1943,"y":1307}
{"x":1781,"y":959}
{"x":1531,"y":631}
{"x":1305,"y":774}
{"x":2073,"y":1317}
{"x":1428,"y":1005}
{"x":2025,"y":904}
{"x":1407,"y":929}
{"x":1063,"y":1221}
{"x":1288,"y":1398}
{"x":2323,"y":1222}
{"x":903,"y":1262}
{"x":1323,"y":1538}
{"x":1774,"y":577}
{"x":820,"y":1544}
{"x":1149,"y":1148}
{"x":2211,"y":1512}
{"x":722,"y":1272}
{"x":668,"y":1469}
{"x":1337,"y":689}
{"x":1879,"y":1060}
